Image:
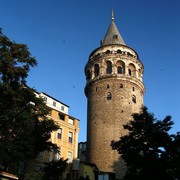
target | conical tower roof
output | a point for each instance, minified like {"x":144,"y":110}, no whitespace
{"x":112,"y":36}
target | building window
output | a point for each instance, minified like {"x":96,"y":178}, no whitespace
{"x":54,"y":103}
{"x":107,"y":86}
{"x":84,"y":145}
{"x":70,"y":137}
{"x":59,"y":133}
{"x":61,"y":116}
{"x":69,"y":156}
{"x":129,"y":70}
{"x":109,"y":96}
{"x":70,"y":121}
{"x":121,"y":85}
{"x":80,"y":146}
{"x":109,"y":67}
{"x":45,"y":99}
{"x":103,"y":177}
{"x":133,"y":89}
{"x":96,"y":70}
{"x":62,"y":108}
{"x":57,"y":156}
{"x":134,"y":99}
{"x":120,"y":70}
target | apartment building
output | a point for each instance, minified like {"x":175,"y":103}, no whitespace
{"x":66,"y":137}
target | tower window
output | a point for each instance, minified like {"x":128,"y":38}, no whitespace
{"x":121,"y":85}
{"x":120,"y":67}
{"x":134,"y":99}
{"x":115,"y":36}
{"x":107,"y":86}
{"x":108,"y":52}
{"x":132,"y":70}
{"x":139,"y":73}
{"x":109,"y":96}
{"x":109,"y":67}
{"x":119,"y":51}
{"x":96,"y":70}
{"x":119,"y":70}
{"x":133,"y":89}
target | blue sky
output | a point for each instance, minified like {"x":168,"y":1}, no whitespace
{"x":61,"y":34}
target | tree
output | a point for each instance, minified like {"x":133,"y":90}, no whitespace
{"x":24,"y":129}
{"x":54,"y":170}
{"x":36,"y":175}
{"x":148,"y":150}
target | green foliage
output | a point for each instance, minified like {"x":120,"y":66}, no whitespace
{"x":15,"y":61}
{"x":24,"y":129}
{"x":148,"y":149}
{"x":54,"y":170}
{"x":36,"y":175}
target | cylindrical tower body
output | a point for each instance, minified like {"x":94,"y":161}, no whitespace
{"x":114,"y":91}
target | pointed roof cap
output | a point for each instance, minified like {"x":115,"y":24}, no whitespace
{"x":112,"y":36}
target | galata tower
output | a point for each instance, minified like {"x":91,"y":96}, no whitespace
{"x":114,"y":90}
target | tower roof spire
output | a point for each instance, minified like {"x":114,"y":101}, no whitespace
{"x":112,"y":14}
{"x":112,"y":36}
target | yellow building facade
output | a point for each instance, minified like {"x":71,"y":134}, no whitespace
{"x":66,"y":137}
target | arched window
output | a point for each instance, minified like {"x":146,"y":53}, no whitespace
{"x":109,"y":67}
{"x":119,"y":70}
{"x":96,"y":70}
{"x":139,"y":72}
{"x":109,"y":96}
{"x":120,"y":67}
{"x":119,"y":51}
{"x":134,"y":99}
{"x":108,"y":52}
{"x":132,"y":70}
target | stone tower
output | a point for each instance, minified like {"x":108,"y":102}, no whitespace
{"x":114,"y":90}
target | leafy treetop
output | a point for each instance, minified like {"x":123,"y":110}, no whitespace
{"x":25,"y":130}
{"x":148,"y":150}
